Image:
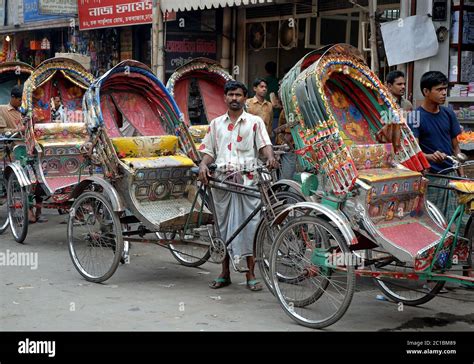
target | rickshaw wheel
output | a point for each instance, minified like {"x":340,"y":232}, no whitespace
{"x":94,"y":237}
{"x":17,"y":204}
{"x":318,"y":296}
{"x":189,"y":256}
{"x":4,"y":221}
{"x":264,"y":236}
{"x":408,"y":292}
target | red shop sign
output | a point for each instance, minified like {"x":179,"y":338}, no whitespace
{"x":95,"y":14}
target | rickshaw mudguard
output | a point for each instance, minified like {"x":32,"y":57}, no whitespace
{"x":335,"y":216}
{"x":19,"y":172}
{"x":288,"y":183}
{"x":436,"y":214}
{"x":109,"y":190}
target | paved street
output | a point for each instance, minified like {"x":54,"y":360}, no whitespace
{"x":155,"y":293}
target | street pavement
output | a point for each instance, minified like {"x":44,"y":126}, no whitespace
{"x":155,"y":293}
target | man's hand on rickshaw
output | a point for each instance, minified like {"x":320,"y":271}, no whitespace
{"x":204,"y":173}
{"x":272,"y":163}
{"x":436,"y":157}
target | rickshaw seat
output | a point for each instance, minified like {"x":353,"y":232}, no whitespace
{"x":61,"y":159}
{"x":145,"y":146}
{"x":198,"y":132}
{"x":60,"y":134}
{"x":466,"y":187}
{"x":147,"y":152}
{"x":386,"y":174}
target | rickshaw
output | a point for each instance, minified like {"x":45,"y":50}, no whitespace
{"x":148,"y":192}
{"x":49,"y":165}
{"x":369,"y":215}
{"x":11,"y":74}
{"x":198,"y":88}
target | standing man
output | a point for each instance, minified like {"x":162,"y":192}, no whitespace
{"x":257,"y":105}
{"x":396,"y":85}
{"x":436,"y":128}
{"x":10,"y":117}
{"x":233,"y":142}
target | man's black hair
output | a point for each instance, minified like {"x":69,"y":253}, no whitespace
{"x":393,"y":75}
{"x":258,"y":81}
{"x":234,"y":85}
{"x":431,"y":79}
{"x":271,"y":68}
{"x":17,"y":91}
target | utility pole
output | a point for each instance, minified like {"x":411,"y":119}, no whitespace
{"x":157,"y":42}
{"x":374,"y":59}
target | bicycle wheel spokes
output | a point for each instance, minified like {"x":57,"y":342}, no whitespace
{"x":94,"y":236}
{"x":265,"y":236}
{"x":17,"y":205}
{"x":312,"y":293}
{"x":408,"y":291}
{"x":4,"y":222}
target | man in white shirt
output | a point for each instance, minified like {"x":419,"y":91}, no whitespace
{"x":233,"y":142}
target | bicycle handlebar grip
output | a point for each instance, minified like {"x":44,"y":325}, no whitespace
{"x":212,"y":167}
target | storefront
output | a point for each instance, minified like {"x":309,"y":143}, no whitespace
{"x":35,"y":30}
{"x":113,"y":31}
{"x":193,"y":34}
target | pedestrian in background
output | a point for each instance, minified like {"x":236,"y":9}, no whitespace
{"x":259,"y":106}
{"x":396,"y":84}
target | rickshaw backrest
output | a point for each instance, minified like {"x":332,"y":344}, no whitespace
{"x":145,"y":146}
{"x":369,"y":156}
{"x":60,"y":132}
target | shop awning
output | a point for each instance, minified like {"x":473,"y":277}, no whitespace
{"x":173,"y":5}
{"x":45,"y":24}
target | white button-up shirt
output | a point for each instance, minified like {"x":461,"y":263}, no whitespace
{"x":235,"y":147}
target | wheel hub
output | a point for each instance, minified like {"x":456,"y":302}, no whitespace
{"x":218,"y":250}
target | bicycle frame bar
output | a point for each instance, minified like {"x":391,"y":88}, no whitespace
{"x":207,"y":189}
{"x":457,"y":215}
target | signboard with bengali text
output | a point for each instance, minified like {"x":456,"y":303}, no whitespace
{"x":57,"y":7}
{"x":95,"y":14}
{"x":180,"y":48}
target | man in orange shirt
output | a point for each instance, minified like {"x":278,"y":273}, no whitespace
{"x":257,"y":105}
{"x":10,"y":117}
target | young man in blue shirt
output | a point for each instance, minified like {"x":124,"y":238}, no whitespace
{"x":436,"y":128}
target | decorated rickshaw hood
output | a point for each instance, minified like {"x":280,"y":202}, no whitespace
{"x":333,"y":100}
{"x":201,"y":64}
{"x":210,"y":78}
{"x":16,"y":67}
{"x":70,"y":69}
{"x":135,"y":78}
